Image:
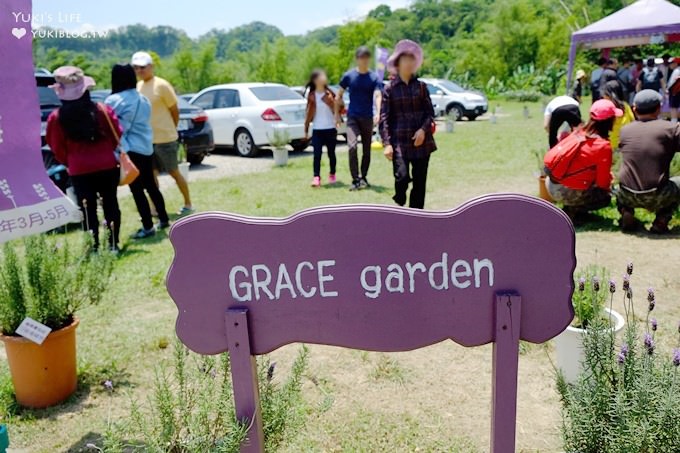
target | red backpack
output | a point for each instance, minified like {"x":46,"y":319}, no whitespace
{"x":558,"y":160}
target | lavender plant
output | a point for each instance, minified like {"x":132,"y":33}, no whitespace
{"x":627,"y":398}
{"x":589,"y":298}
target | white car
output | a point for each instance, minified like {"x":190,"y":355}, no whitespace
{"x":452,"y":99}
{"x":246,"y":115}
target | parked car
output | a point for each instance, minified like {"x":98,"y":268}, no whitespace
{"x":195,"y":132}
{"x":246,"y":115}
{"x":187,"y":96}
{"x":452,"y":99}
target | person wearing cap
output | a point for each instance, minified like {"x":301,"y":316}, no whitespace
{"x":577,"y":89}
{"x":365,"y":97}
{"x":647,"y":147}
{"x":406,"y":121}
{"x":83,"y":135}
{"x":164,"y":120}
{"x":561,"y":110}
{"x":674,"y":89}
{"x":651,"y":77}
{"x":585,"y":183}
{"x":134,"y":113}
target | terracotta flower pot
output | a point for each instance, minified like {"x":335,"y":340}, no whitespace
{"x":543,"y":190}
{"x":43,"y":375}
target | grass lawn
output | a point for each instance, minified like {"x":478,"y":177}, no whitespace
{"x":434,"y":399}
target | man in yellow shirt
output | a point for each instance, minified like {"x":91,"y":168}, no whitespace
{"x":164,"y":120}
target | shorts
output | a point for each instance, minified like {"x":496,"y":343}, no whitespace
{"x":674,"y":100}
{"x":166,"y":156}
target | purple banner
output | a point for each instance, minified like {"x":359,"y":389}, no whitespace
{"x":29,"y":202}
{"x":381,"y":56}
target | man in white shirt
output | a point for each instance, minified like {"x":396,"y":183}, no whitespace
{"x":562,"y":109}
{"x":673,"y":88}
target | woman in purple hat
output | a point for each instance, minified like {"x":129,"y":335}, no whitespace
{"x":406,"y":124}
{"x":83,"y":135}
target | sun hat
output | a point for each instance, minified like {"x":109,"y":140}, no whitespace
{"x":647,"y":101}
{"x":604,"y":109}
{"x":141,"y":59}
{"x":403,"y":47}
{"x":580,"y":74}
{"x":72,"y":83}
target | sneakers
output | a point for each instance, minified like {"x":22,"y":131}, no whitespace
{"x":628,"y":222}
{"x":316,"y":182}
{"x":363,"y":183}
{"x":356,"y":185}
{"x":162,"y":225}
{"x":186,"y":210}
{"x":332,"y":179}
{"x":144,"y":233}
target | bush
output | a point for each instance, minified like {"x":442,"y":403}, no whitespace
{"x":50,"y":279}
{"x":627,"y":398}
{"x":192,"y":409}
{"x":522,"y":96}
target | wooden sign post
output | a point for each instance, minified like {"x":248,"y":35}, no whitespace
{"x":499,"y":269}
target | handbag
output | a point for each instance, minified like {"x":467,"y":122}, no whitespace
{"x":128,"y":170}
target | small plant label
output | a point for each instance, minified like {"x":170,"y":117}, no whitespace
{"x":33,"y":330}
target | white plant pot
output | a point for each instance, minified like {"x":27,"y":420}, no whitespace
{"x":184,"y":170}
{"x":280,"y":156}
{"x":569,"y":347}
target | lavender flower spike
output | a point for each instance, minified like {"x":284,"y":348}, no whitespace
{"x":650,"y":295}
{"x":629,"y":268}
{"x":623,"y":353}
{"x":676,"y":357}
{"x":596,"y":283}
{"x":654,"y":324}
{"x":626,"y":282}
{"x":649,"y":343}
{"x":581,"y":284}
{"x":612,"y":286}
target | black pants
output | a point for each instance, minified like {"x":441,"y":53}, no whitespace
{"x":327,"y":138}
{"x":359,"y":127}
{"x":410,"y":170}
{"x":105,"y":185}
{"x":569,"y":114}
{"x":146,"y":182}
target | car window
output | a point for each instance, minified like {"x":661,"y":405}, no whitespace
{"x":226,"y":99}
{"x":432,"y":89}
{"x":452,"y":87}
{"x":275,"y":93}
{"x":206,"y":100}
{"x":48,"y":98}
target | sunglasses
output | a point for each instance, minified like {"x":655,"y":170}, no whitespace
{"x":140,"y":68}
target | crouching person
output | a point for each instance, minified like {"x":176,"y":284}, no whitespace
{"x":579,"y":167}
{"x":647,"y":149}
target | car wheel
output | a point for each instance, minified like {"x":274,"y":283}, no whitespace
{"x":195,"y":159}
{"x":456,"y":111}
{"x":245,"y":144}
{"x":471,"y":117}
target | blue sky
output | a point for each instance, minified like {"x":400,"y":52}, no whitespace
{"x":198,"y":16}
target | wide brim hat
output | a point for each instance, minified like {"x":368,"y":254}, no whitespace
{"x":72,"y":83}
{"x":405,"y":47}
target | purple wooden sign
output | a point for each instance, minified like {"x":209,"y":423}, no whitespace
{"x":496,"y":270}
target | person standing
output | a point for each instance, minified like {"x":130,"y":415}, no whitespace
{"x":84,"y":136}
{"x":364,"y":93}
{"x":647,"y":147}
{"x":164,"y":120}
{"x":577,"y":88}
{"x":562,"y":109}
{"x":134,"y":113}
{"x":635,"y":71}
{"x":674,"y":89}
{"x":651,"y":78}
{"x":595,"y":77}
{"x":406,"y":121}
{"x":320,"y":113}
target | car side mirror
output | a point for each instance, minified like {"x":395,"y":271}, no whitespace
{"x":439,"y":92}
